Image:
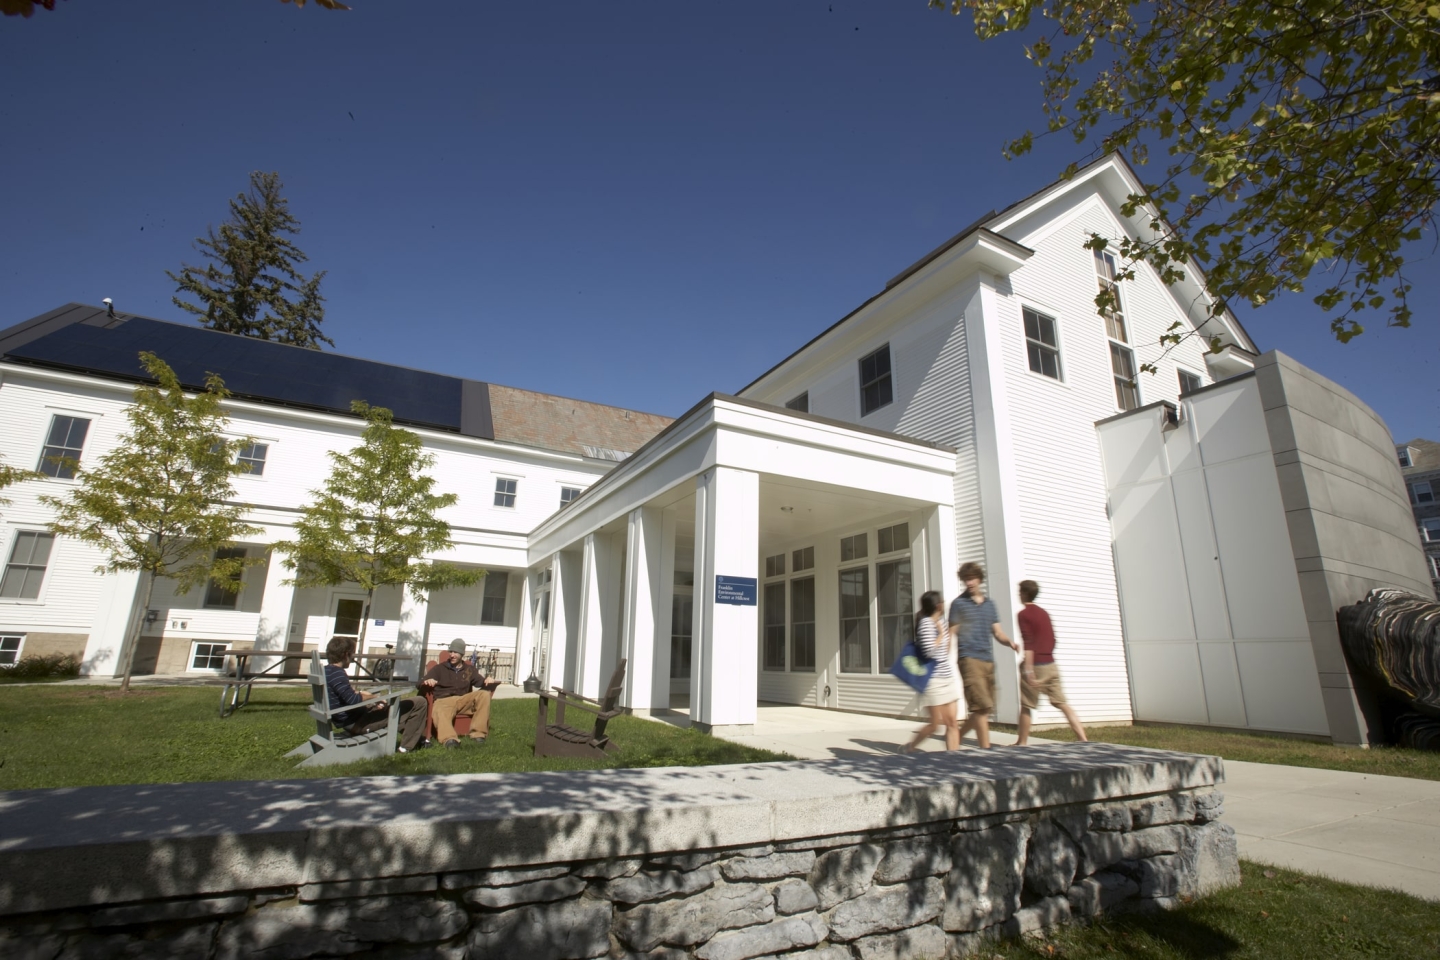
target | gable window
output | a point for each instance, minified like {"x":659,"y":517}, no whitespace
{"x":225,"y":592}
{"x":800,"y":403}
{"x":854,"y":548}
{"x":803,"y":559}
{"x":1122,"y":364}
{"x":1420,"y":492}
{"x":1105,"y":277}
{"x":505,"y":490}
{"x":29,"y":556}
{"x":1041,"y":344}
{"x":774,"y":642}
{"x":802,"y":624}
{"x":10,"y":646}
{"x":64,"y":444}
{"x":1403,"y":454}
{"x":568,"y":495}
{"x":1189,"y":382}
{"x":252,"y":457}
{"x":492,"y":608}
{"x":1430,"y":528}
{"x":775,"y":566}
{"x":875,"y":389}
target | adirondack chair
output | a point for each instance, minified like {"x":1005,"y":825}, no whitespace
{"x":559,"y":740}
{"x":330,"y":746}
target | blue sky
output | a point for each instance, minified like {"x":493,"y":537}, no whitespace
{"x":629,"y":202}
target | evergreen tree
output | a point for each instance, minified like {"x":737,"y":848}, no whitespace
{"x":376,"y":519}
{"x":253,"y":288}
{"x":159,"y":502}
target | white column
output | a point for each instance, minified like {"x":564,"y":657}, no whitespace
{"x":639,"y":633}
{"x":524,"y":632}
{"x":723,"y":671}
{"x":114,"y":610}
{"x":276,"y":603}
{"x":410,"y":643}
{"x":592,"y":627}
{"x":940,"y":559}
{"x":665,"y":607}
{"x":556,"y":659}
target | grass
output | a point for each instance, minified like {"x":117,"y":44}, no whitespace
{"x":1259,"y":748}
{"x":84,"y":736}
{"x":1274,"y":914}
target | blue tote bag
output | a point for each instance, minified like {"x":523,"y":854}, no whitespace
{"x":913,"y":667}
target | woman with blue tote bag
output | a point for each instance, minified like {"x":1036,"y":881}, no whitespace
{"x":941,"y":694}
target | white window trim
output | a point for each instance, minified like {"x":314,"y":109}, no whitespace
{"x":8,"y":543}
{"x":1415,"y":486}
{"x":860,"y":385}
{"x":19,"y":651}
{"x":493,"y":490}
{"x":1179,"y":370}
{"x":270,"y":445}
{"x":50,"y":414}
{"x":1428,"y":524}
{"x":208,"y":671}
{"x":1054,"y":317}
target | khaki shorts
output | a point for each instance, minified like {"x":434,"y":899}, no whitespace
{"x":979,"y":679}
{"x":1047,"y":681}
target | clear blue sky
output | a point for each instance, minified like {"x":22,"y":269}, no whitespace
{"x":629,"y":202}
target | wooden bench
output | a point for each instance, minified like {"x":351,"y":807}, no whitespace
{"x":559,"y":740}
{"x":331,"y":746}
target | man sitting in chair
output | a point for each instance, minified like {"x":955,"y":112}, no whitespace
{"x":460,"y":691}
{"x":363,"y":719}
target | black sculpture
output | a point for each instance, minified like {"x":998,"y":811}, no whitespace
{"x":1392,"y":638}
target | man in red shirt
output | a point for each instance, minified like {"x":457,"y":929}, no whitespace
{"x":1039,"y":673}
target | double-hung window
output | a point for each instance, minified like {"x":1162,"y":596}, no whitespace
{"x":1421,"y":492}
{"x":1403,"y":455}
{"x":1042,"y":344}
{"x":1430,"y":529}
{"x":773,"y":644}
{"x":568,"y":495}
{"x":25,"y":570}
{"x":875,"y":387}
{"x":224,"y":592}
{"x":855,"y":620}
{"x":63,"y":446}
{"x":492,"y":607}
{"x":1189,"y":382}
{"x":505,"y":490}
{"x":252,"y":458}
{"x":1122,"y":358}
{"x":10,"y":646}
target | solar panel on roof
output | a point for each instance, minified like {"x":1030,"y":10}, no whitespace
{"x":255,"y":369}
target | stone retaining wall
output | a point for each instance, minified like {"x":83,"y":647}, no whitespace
{"x":1025,"y":842}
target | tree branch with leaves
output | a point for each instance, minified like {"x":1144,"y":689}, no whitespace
{"x":160,"y":502}
{"x":1301,"y":135}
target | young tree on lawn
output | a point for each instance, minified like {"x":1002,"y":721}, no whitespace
{"x":1300,"y":135}
{"x":159,"y":503}
{"x":253,"y":288}
{"x":376,"y":519}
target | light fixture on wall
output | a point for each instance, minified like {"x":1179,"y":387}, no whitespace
{"x":151,"y":616}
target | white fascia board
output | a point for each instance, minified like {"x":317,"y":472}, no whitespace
{"x":339,"y":422}
{"x":982,"y":251}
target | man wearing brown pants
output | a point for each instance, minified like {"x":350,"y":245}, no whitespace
{"x":460,"y":690}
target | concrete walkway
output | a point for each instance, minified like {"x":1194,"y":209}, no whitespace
{"x":1359,"y":828}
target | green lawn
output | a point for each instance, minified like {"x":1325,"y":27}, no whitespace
{"x":1273,"y":915}
{"x":80,"y":736}
{"x":1259,"y":748}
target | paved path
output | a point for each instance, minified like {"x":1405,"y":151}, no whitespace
{"x":1378,"y":831}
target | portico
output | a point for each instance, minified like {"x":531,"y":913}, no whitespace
{"x":746,"y":552}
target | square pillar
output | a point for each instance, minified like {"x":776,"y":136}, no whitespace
{"x":645,"y":689}
{"x":525,"y":633}
{"x":114,"y":613}
{"x":556,"y":652}
{"x":276,"y":603}
{"x":723,"y":668}
{"x":601,"y":583}
{"x":410,"y":643}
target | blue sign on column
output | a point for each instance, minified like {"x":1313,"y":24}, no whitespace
{"x":740,"y":591}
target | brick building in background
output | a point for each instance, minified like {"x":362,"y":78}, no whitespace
{"x":1420,"y":463}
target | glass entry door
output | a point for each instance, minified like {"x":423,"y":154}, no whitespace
{"x":349,"y":611}
{"x":681,"y":628}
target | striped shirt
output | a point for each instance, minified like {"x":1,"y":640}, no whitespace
{"x":927,"y":638}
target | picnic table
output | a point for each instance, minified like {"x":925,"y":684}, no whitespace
{"x":245,"y":678}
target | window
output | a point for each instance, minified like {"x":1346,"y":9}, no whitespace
{"x":10,"y":646}
{"x":892,"y":588}
{"x":800,"y":403}
{"x":875,"y":389}
{"x":1114,"y":317}
{"x":1434,"y":575}
{"x":1420,"y":492}
{"x":1041,"y":344}
{"x":208,"y":656}
{"x":1127,"y":391}
{"x":775,"y":566}
{"x":803,"y":559}
{"x":505,"y":492}
{"x":1189,"y":382}
{"x":854,"y":548}
{"x":1430,"y":529}
{"x":774,"y":641}
{"x":682,"y":627}
{"x":29,"y":556}
{"x":802,"y":624}
{"x":66,"y":440}
{"x":855,"y":620}
{"x":1403,"y":454}
{"x":492,"y":607}
{"x":225,"y":592}
{"x":252,"y":456}
{"x":893,"y":538}
{"x":568,"y":495}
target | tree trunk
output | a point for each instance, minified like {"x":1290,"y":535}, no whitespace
{"x":133,"y":632}
{"x":364,"y":623}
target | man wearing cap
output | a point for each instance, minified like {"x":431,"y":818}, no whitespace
{"x":460,"y":691}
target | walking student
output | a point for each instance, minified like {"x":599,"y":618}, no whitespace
{"x":941,"y":695}
{"x":1039,"y":674}
{"x":975,"y":625}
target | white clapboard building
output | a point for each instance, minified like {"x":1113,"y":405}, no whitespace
{"x":767,"y":546}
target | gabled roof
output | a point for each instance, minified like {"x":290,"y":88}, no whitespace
{"x":90,"y":340}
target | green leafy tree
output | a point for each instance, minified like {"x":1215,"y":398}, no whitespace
{"x":375,"y":520}
{"x":159,"y":503}
{"x":9,"y":476}
{"x":1301,"y":134}
{"x":252,"y":288}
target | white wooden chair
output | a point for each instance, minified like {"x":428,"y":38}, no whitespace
{"x":331,"y":746}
